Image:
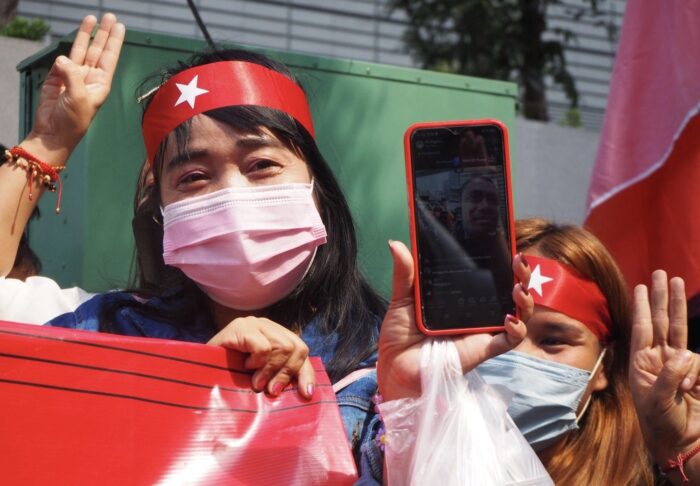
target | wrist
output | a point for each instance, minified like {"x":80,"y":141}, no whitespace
{"x":680,"y":464}
{"x":52,"y":152}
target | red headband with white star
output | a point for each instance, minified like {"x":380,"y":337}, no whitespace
{"x":215,"y":85}
{"x":558,"y":287}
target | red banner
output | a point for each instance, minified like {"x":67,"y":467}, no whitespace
{"x":643,"y":201}
{"x":90,"y":408}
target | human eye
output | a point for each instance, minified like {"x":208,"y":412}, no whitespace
{"x":263,"y":167}
{"x":263,"y":164}
{"x":553,"y":341}
{"x":191,"y":178}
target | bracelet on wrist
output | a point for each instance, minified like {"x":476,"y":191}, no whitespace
{"x":678,"y":461}
{"x":37,"y":170}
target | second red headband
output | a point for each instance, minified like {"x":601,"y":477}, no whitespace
{"x":216,"y":85}
{"x":560,"y":288}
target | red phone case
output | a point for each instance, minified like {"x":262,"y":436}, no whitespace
{"x":412,"y":217}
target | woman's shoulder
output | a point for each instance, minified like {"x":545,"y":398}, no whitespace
{"x":87,"y":315}
{"x":125,"y":313}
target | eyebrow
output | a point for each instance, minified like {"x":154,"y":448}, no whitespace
{"x":185,"y":157}
{"x":563,"y":327}
{"x":247,"y":142}
{"x":257,"y":141}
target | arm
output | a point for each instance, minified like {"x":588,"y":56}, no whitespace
{"x":664,"y":377}
{"x":75,"y":88}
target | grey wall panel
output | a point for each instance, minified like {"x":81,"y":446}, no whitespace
{"x":360,"y":29}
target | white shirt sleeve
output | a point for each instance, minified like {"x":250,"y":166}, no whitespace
{"x":37,"y":300}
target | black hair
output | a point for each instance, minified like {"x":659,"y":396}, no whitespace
{"x":333,"y":290}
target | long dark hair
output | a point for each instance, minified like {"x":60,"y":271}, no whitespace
{"x":333,"y":291}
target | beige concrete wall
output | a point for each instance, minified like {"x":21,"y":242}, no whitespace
{"x":553,"y":167}
{"x":12,"y":51}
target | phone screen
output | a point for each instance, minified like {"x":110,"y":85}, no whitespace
{"x":461,"y":221}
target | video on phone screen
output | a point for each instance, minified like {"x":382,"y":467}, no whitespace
{"x":461,"y":222}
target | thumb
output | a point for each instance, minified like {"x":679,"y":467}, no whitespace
{"x":670,"y":378}
{"x":71,"y":75}
{"x":402,"y":288}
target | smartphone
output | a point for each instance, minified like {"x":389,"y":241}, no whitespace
{"x":461,"y":221}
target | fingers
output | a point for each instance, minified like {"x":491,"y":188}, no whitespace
{"x":82,"y":40}
{"x":306,"y":379}
{"x":110,"y":54}
{"x":71,"y":76}
{"x":642,"y":330}
{"x":505,"y":341}
{"x":100,"y":40}
{"x":659,"y":307}
{"x":477,"y":348}
{"x":691,"y":377}
{"x":277,"y":354}
{"x":285,"y":362}
{"x":678,"y":315}
{"x":521,"y":269}
{"x":521,"y":296}
{"x":672,"y":374}
{"x":402,"y":288}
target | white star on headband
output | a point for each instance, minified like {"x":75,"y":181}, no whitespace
{"x":189,"y":92}
{"x":537,"y":279}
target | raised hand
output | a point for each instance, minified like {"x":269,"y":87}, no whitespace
{"x":75,"y":88}
{"x":398,"y":369}
{"x":664,"y":374}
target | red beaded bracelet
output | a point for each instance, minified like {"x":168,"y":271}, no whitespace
{"x":46,"y":174}
{"x":678,"y":462}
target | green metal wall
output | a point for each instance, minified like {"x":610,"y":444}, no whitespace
{"x":360,"y":109}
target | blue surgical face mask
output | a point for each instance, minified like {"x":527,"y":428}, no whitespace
{"x":546,"y":394}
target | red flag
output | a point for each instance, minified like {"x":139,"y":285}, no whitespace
{"x":89,"y":408}
{"x":644,"y":198}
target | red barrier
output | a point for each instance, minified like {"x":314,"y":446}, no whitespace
{"x":88,"y":408}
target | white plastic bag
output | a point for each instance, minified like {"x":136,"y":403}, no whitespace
{"x":457,"y":433}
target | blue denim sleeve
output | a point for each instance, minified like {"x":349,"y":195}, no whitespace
{"x":361,"y":426}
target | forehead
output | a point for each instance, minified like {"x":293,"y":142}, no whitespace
{"x":205,"y":130}
{"x":546,"y":320}
{"x":213,"y":136}
{"x":479,"y":184}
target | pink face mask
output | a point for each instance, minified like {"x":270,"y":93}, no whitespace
{"x":246,"y":248}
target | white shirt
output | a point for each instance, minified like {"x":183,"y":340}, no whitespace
{"x":37,"y":300}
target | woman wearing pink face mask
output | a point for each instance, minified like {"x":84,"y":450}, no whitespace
{"x":244,"y":238}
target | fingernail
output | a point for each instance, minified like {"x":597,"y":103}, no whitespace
{"x":390,"y":243}
{"x":512,"y":318}
{"x":523,"y":259}
{"x":310,"y":390}
{"x":276,"y":389}
{"x":686,"y":384}
{"x":257,"y":386}
{"x":525,"y":291}
{"x":61,"y":60}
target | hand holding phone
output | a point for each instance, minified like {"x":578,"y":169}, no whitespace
{"x":461,"y":220}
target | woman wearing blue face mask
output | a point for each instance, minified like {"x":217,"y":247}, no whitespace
{"x":568,"y":376}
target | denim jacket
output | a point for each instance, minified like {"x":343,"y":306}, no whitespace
{"x":355,"y":400}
